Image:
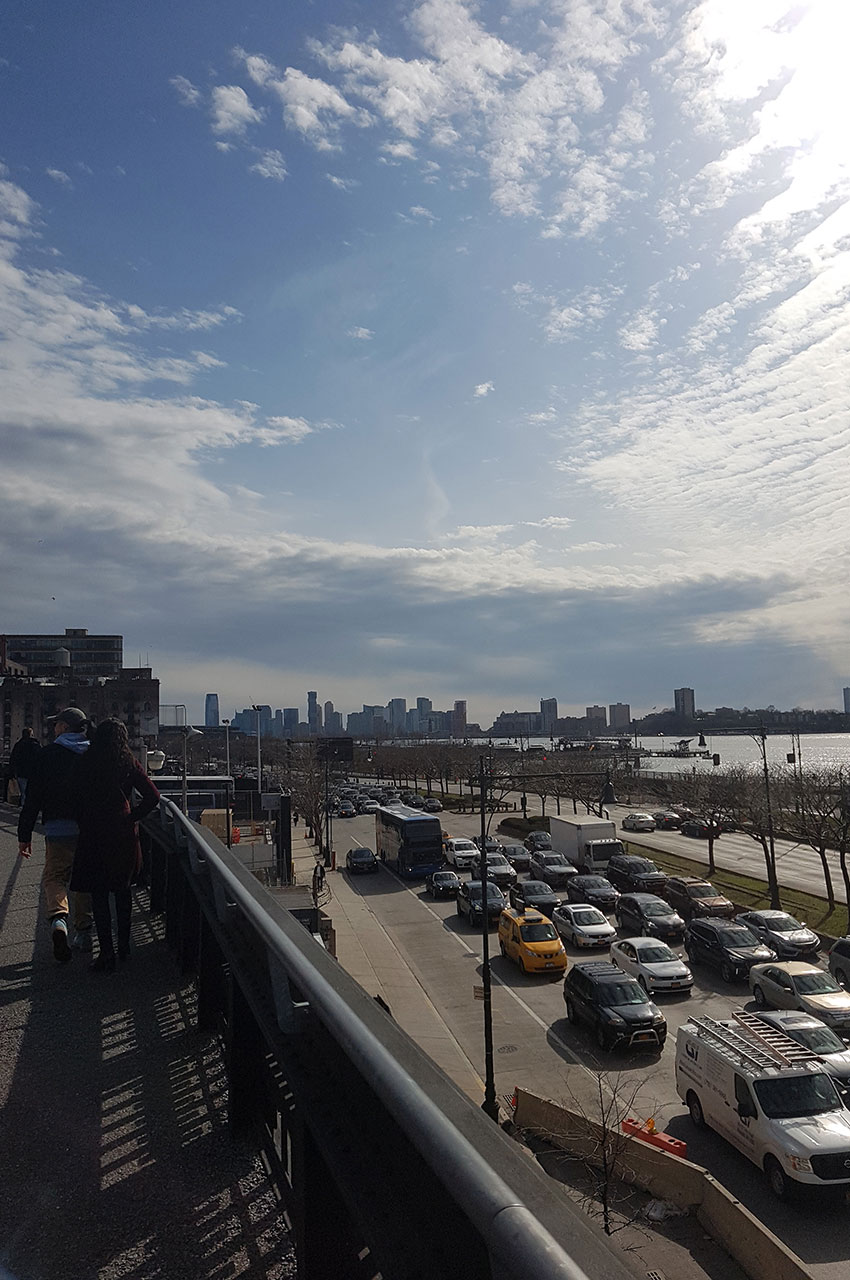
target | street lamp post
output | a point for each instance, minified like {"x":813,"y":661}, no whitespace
{"x":228,"y":817}
{"x":489,"y":1106}
{"x":188,"y":732}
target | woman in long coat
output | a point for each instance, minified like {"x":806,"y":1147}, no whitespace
{"x":112,"y":793}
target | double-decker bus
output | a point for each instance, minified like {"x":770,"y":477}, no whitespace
{"x":409,"y":841}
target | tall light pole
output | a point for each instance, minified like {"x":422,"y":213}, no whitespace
{"x":188,"y":732}
{"x":489,"y":1106}
{"x":256,"y":708}
{"x":228,"y":819}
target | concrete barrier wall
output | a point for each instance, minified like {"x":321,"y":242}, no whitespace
{"x":761,"y":1254}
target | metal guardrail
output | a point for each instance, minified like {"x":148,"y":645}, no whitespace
{"x":382,"y":1165}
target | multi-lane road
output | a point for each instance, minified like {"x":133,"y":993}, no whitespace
{"x":536,"y":1048}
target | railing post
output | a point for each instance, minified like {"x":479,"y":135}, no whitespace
{"x":210,"y":978}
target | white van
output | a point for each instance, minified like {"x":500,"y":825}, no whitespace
{"x":461,"y":853}
{"x":768,"y":1096}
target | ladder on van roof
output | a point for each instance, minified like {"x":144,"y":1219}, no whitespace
{"x":766,"y":1048}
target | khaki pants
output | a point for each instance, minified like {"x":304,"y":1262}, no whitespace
{"x":58,"y":860}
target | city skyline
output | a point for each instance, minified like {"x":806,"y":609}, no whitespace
{"x":485,"y":348}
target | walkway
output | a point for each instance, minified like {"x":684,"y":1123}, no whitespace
{"x":116,"y":1157}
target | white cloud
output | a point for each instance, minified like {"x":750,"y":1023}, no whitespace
{"x":483,"y":389}
{"x":270,"y":165}
{"x":311,"y":106}
{"x":343,"y":184}
{"x":59,"y":176}
{"x":189,"y":94}
{"x":419,"y":211}
{"x":361,"y":333}
{"x":232,"y":110}
{"x":286,"y":430}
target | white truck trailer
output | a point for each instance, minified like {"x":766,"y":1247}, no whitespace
{"x":587,"y":842}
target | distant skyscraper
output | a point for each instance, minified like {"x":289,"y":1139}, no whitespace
{"x":597,"y":719}
{"x":847,"y":700}
{"x":290,"y":722}
{"x":314,"y":715}
{"x":684,"y":701}
{"x":396,"y":711}
{"x":211,"y":711}
{"x":620,"y":715}
{"x":548,"y":714}
{"x":459,"y":720}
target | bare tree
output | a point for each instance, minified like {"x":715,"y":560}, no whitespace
{"x":814,"y":819}
{"x":758,"y":794}
{"x":717,"y":798}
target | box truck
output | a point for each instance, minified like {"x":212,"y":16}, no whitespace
{"x":586,"y":842}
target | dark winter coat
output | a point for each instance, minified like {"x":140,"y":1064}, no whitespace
{"x":50,"y":789}
{"x":108,"y":855}
{"x":24,"y":758}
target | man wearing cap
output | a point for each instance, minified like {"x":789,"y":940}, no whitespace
{"x":50,"y":792}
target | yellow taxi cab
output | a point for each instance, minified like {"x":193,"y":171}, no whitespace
{"x":532,"y":940}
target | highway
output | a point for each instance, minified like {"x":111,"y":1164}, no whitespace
{"x":536,"y":1048}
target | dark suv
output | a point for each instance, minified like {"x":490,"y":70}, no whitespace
{"x":729,"y":947}
{"x":694,"y":897}
{"x":646,"y":914}
{"x":552,"y":868}
{"x":596,"y":890}
{"x":630,"y":873}
{"x":537,"y":840}
{"x":470,"y":901}
{"x":614,"y":1005}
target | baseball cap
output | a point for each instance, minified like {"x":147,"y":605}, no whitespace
{"x":73,"y":717}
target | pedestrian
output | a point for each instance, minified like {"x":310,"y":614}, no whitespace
{"x":295,"y":818}
{"x":109,"y":856}
{"x":23,"y":759}
{"x":50,"y":792}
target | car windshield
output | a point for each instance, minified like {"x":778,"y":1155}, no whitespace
{"x":815,"y":984}
{"x":444,"y":877}
{"x":595,"y":882}
{"x":657,"y":909}
{"x":782,"y":924}
{"x":496,"y":860}
{"x":784,"y":1098}
{"x":493,"y":892}
{"x":818,"y":1039}
{"x":537,"y":889}
{"x":641,"y":865}
{"x":702,"y":891}
{"x":362,"y":855}
{"x":739,"y":937}
{"x":624,"y":993}
{"x":589,"y":916}
{"x":465,"y":846}
{"x":656,"y":955}
{"x":542,"y":932}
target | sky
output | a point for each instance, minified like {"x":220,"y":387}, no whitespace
{"x":492,"y":351}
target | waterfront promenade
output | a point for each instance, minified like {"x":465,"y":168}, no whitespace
{"x":116,"y":1161}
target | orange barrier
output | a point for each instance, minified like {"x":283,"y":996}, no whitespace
{"x":647,"y":1132}
{"x":235,"y":835}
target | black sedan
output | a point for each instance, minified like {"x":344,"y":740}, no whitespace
{"x":535,"y":895}
{"x":596,"y":890}
{"x":442,"y":884}
{"x":696,"y":828}
{"x":361,"y":859}
{"x":517,"y":855}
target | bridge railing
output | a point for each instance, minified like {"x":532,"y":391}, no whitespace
{"x":380,"y":1164}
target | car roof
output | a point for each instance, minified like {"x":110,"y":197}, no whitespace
{"x":788,"y":1018}
{"x":793,"y":967}
{"x":690,"y":880}
{"x":535,"y":884}
{"x":642,"y":898}
{"x":603,"y":971}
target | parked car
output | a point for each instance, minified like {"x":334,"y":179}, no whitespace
{"x":839,"y":961}
{"x":517,"y":855}
{"x":656,"y":967}
{"x":346,"y":809}
{"x":538,"y":840}
{"x":628,"y":872}
{"x":500,"y":871}
{"x":369,"y":806}
{"x":491,"y":844}
{"x":596,"y":890}
{"x":583,"y":925}
{"x":638,"y":822}
{"x":361,"y":859}
{"x":443,"y":884}
{"x":432,"y":805}
{"x":551,"y":867}
{"x":694,"y":897}
{"x":534,"y":895}
{"x":814,"y":1035}
{"x":645,"y":913}
{"x":461,"y":853}
{"x":614,"y":1005}
{"x":666,"y":820}
{"x":793,"y":984}
{"x":532,"y":941}
{"x":470,"y":901}
{"x":782,"y":933}
{"x":727,"y":946}
{"x":695,"y":827}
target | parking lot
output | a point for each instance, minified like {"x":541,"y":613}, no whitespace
{"x":537,"y":1049}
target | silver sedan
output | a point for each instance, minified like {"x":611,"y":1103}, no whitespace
{"x":655,"y":965}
